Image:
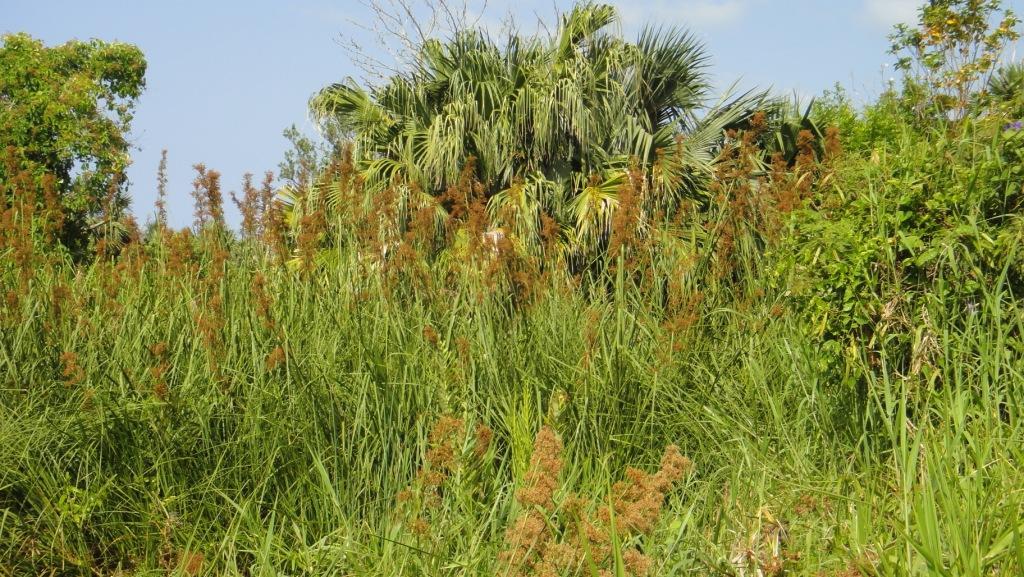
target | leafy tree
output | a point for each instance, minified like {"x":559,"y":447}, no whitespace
{"x":554,"y":125}
{"x":307,"y":156}
{"x":65,"y":113}
{"x":952,"y":51}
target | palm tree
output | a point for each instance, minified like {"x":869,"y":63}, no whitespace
{"x":555,"y":125}
{"x":1007,"y":83}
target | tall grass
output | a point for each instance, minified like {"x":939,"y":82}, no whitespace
{"x":194,"y":407}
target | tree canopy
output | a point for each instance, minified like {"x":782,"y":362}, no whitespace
{"x":65,"y":112}
{"x":552,"y":124}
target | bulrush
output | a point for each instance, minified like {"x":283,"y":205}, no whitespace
{"x":550,"y":232}
{"x":63,"y":304}
{"x":249,"y":206}
{"x":158,"y":370}
{"x":275,"y":234}
{"x":276,"y":358}
{"x":161,"y":192}
{"x":637,"y":500}
{"x":132,"y":256}
{"x":209,"y":315}
{"x":266,"y":202}
{"x":16,"y":223}
{"x":833,"y":144}
{"x":311,"y":228}
{"x":452,"y":467}
{"x":528,"y":539}
{"x":264,"y":302}
{"x":192,"y":563}
{"x":482,"y":443}
{"x":207,"y":196}
{"x":549,"y":538}
{"x":628,"y":218}
{"x":53,"y":215}
{"x":420,"y":503}
{"x":181,"y":261}
{"x":805,"y":157}
{"x":444,"y":439}
{"x":71,"y":371}
{"x":541,"y":478}
{"x":430,"y":334}
{"x":423,"y":224}
{"x":683,"y":308}
{"x":784,"y":185}
{"x":109,"y":241}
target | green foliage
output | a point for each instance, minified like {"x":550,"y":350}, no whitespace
{"x":784,"y":138}
{"x":1005,"y":90}
{"x":307,"y":156}
{"x":834,"y":336}
{"x":951,"y":52}
{"x":874,"y":125}
{"x":550,"y":125}
{"x":64,"y":114}
{"x":1007,"y":84}
{"x":176,"y":411}
{"x":934,"y":217}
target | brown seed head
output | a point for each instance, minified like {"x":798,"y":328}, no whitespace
{"x":275,"y":358}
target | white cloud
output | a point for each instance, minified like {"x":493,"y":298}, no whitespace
{"x":888,"y":13}
{"x":689,"y":13}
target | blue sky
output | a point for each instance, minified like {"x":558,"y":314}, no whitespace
{"x":225,"y":78}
